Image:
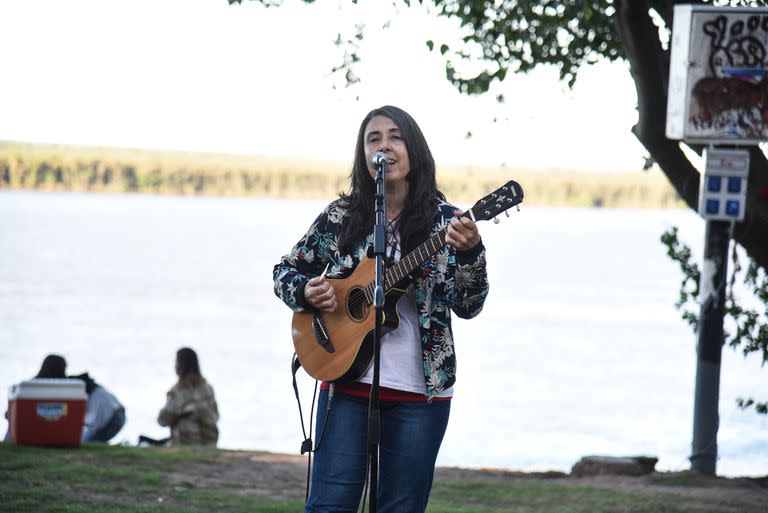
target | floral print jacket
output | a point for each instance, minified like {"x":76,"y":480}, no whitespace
{"x":449,"y":280}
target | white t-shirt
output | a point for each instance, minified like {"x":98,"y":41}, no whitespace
{"x":401,"y":364}
{"x":100,"y":408}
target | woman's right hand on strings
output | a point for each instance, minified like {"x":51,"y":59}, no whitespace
{"x":319,"y":293}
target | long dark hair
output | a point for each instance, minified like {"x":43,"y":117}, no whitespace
{"x":54,"y":366}
{"x":188,"y":366}
{"x":90,"y":383}
{"x":423,"y":194}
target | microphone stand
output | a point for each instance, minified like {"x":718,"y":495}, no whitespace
{"x":374,"y":407}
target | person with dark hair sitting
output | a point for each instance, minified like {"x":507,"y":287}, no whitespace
{"x":190,"y":409}
{"x":54,"y":366}
{"x":104,"y":415}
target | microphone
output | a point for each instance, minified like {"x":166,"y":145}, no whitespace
{"x":378,"y":159}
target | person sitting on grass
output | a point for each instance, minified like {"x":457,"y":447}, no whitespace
{"x":104,"y":415}
{"x":190,"y":409}
{"x":54,"y":366}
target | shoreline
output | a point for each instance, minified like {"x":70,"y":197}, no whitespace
{"x":457,"y":470}
{"x":70,"y":168}
{"x":460,"y":198}
{"x":748,"y":492}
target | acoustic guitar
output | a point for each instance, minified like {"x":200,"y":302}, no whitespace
{"x":338,"y":346}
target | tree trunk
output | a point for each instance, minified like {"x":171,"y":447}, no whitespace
{"x":649,"y":65}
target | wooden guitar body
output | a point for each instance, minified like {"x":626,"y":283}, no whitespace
{"x":338,"y":346}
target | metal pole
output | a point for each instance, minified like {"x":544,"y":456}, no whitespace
{"x":374,"y":405}
{"x":712,"y":292}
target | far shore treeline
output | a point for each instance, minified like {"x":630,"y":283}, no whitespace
{"x":71,"y":168}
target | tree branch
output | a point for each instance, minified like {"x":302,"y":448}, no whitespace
{"x":650,"y":72}
{"x":642,"y":49}
{"x":752,"y":232}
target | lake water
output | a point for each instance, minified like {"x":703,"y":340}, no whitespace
{"x":579,"y":349}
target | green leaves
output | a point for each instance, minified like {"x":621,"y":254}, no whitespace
{"x":746,"y":403}
{"x":748,"y":327}
{"x":267,"y":3}
{"x":689,"y":286}
{"x":351,"y":56}
{"x":523,"y":35}
{"x":509,"y":34}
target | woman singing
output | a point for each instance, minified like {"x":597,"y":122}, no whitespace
{"x":418,"y":362}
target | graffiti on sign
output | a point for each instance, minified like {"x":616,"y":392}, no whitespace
{"x":722,"y":75}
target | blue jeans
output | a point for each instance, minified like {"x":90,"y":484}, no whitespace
{"x":106,"y":433}
{"x":411,"y":434}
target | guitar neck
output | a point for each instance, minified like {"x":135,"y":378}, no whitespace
{"x":506,"y":196}
{"x":406,"y":265}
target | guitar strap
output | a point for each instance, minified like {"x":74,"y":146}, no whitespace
{"x":306,"y":445}
{"x":393,"y":241}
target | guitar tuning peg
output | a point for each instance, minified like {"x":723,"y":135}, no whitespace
{"x":495,"y":220}
{"x":518,"y":207}
{"x":506,"y":213}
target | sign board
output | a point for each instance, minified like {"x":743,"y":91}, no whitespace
{"x":723,"y":188}
{"x":718,"y":88}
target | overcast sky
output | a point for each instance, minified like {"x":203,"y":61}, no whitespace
{"x":201,"y":75}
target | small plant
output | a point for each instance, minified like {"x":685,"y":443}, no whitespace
{"x":746,"y":329}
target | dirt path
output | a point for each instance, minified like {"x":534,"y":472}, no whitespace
{"x":284,"y":476}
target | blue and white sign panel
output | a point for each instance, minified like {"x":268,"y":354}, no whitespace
{"x":723,"y":190}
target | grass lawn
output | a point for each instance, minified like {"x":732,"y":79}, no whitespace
{"x":115,"y":479}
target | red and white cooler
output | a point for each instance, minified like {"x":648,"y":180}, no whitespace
{"x":47,"y":412}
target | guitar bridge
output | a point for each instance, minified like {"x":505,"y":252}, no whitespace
{"x":321,"y":335}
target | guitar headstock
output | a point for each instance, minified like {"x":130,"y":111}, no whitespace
{"x":500,"y":200}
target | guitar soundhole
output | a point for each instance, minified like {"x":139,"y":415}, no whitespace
{"x":357,"y":305}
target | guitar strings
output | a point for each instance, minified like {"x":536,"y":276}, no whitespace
{"x":437,"y":240}
{"x":366,"y":298}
